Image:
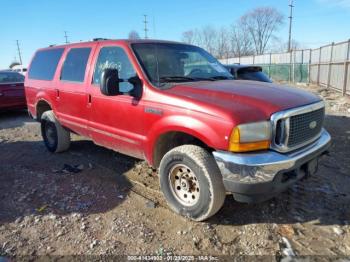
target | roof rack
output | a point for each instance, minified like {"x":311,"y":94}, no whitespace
{"x":99,"y":39}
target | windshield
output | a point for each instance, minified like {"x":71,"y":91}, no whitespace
{"x":167,"y":62}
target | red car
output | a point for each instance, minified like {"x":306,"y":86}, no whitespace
{"x":177,"y":107}
{"x":11,"y":90}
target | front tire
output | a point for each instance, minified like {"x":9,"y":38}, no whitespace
{"x":191,"y":182}
{"x":56,"y":137}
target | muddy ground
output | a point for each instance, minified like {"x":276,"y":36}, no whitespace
{"x":90,"y":200}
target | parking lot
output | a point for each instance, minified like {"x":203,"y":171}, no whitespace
{"x":90,"y":200}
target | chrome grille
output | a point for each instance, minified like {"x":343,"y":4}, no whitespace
{"x":299,"y":127}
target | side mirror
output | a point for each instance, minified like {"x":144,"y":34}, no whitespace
{"x":137,"y":90}
{"x":109,"y":84}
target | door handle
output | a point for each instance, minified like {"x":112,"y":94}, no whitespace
{"x":89,"y":100}
{"x":57,"y":94}
{"x":13,"y":85}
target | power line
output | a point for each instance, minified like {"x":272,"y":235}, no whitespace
{"x":145,"y":29}
{"x":19,"y":52}
{"x":66,"y":37}
{"x":290,"y":25}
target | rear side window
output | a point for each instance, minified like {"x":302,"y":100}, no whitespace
{"x":44,"y":64}
{"x":75,"y":65}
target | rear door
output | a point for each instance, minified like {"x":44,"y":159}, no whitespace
{"x":71,"y":92}
{"x":11,"y":90}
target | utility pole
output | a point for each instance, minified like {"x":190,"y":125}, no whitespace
{"x":145,"y":22}
{"x":66,"y":37}
{"x":290,"y":25}
{"x":19,"y":52}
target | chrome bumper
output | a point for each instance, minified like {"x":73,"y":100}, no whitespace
{"x":262,"y":167}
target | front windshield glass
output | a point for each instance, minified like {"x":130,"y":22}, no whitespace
{"x":167,"y":63}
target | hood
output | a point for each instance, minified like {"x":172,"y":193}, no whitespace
{"x":245,"y":101}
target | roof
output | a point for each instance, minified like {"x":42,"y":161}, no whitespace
{"x":127,"y":41}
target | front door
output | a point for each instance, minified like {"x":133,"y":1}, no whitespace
{"x":115,"y":122}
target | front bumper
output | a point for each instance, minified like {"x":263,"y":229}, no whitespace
{"x":255,"y":177}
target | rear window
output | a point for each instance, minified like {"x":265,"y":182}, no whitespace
{"x":252,"y":73}
{"x":75,"y":65}
{"x":11,"y":77}
{"x":44,"y":64}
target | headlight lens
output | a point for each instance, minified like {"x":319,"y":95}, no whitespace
{"x":250,"y":137}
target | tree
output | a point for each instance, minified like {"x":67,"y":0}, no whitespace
{"x":223,"y":43}
{"x":134,"y":35}
{"x":208,"y":37}
{"x":262,"y":23}
{"x":241,"y":41}
{"x":188,"y":37}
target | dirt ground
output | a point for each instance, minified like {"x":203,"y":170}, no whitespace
{"x":93,"y":201}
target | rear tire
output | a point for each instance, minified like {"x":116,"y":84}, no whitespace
{"x":191,"y":182}
{"x":56,"y":137}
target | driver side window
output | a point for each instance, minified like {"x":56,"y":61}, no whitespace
{"x":114,"y":57}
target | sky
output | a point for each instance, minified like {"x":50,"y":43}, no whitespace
{"x":39,"y":23}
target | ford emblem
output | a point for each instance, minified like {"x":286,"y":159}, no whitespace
{"x":313,"y":124}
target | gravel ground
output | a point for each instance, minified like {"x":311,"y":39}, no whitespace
{"x":93,"y":201}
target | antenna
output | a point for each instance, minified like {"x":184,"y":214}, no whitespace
{"x":66,"y":37}
{"x":290,"y":25}
{"x":19,"y":52}
{"x":145,"y":22}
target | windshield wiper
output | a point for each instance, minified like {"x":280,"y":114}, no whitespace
{"x":176,"y":79}
{"x":221,"y":78}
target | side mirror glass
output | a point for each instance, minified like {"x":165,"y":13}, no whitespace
{"x":109,"y":84}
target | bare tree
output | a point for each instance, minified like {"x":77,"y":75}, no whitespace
{"x":223,"y":43}
{"x":207,"y":39}
{"x":262,"y":23}
{"x":241,"y":41}
{"x":188,"y":37}
{"x":134,"y":35}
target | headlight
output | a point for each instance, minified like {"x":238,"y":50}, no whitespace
{"x":250,"y":137}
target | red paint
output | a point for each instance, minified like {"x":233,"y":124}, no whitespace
{"x":12,"y":96}
{"x":207,"y":110}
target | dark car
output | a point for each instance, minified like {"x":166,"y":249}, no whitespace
{"x":248,"y":72}
{"x":12,"y":90}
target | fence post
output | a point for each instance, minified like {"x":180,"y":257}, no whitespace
{"x":330,"y":67}
{"x":309,"y":68}
{"x":290,"y":67}
{"x":293,"y":65}
{"x":319,"y":66}
{"x":346,"y":68}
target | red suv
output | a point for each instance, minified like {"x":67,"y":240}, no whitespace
{"x":177,"y":107}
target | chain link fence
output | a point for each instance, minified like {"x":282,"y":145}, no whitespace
{"x":325,"y":66}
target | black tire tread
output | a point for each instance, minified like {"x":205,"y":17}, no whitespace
{"x":63,"y":135}
{"x":206,"y":161}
